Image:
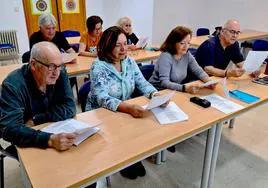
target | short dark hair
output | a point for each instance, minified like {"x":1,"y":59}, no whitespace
{"x":108,"y":42}
{"x":175,"y":36}
{"x":92,"y":21}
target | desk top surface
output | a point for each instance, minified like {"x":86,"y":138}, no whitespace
{"x":196,"y":41}
{"x":83,"y":63}
{"x":124,"y":139}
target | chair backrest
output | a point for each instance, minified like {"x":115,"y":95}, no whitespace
{"x":202,"y":31}
{"x":83,"y":93}
{"x":260,"y":45}
{"x":192,"y":51}
{"x":147,"y":71}
{"x":26,"y":57}
{"x":71,"y":33}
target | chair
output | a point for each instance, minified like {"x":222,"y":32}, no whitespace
{"x":72,"y":33}
{"x":10,"y":151}
{"x":260,"y":45}
{"x":192,"y":51}
{"x":83,"y":93}
{"x":26,"y":57}
{"x":202,"y":31}
{"x":147,"y":71}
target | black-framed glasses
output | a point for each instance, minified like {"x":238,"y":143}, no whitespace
{"x":233,"y":32}
{"x":51,"y":66}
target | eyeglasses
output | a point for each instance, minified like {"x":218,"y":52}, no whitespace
{"x":128,"y":25}
{"x":233,"y":32}
{"x":51,"y":66}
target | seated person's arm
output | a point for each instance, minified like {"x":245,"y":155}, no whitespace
{"x":211,"y":70}
{"x":82,"y":51}
{"x":135,"y":110}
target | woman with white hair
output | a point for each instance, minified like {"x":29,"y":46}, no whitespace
{"x":47,"y":32}
{"x":132,"y":39}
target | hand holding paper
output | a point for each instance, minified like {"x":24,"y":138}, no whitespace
{"x":159,"y":100}
{"x":254,"y":60}
{"x":72,"y":126}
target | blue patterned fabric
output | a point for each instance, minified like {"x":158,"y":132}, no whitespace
{"x":110,"y":87}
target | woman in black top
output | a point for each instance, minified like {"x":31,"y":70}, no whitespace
{"x":132,"y":39}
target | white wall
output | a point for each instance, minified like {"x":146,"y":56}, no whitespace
{"x":154,"y":18}
{"x":207,"y":13}
{"x":12,"y":17}
{"x":139,"y":11}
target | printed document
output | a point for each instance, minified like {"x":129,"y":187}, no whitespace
{"x":82,"y":130}
{"x":254,"y":60}
{"x":223,"y":104}
{"x":158,"y":101}
{"x":170,"y":114}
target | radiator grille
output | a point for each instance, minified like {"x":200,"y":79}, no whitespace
{"x":9,"y":37}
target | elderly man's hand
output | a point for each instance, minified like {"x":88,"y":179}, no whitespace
{"x":62,"y":141}
{"x":255,"y":74}
{"x":235,"y":72}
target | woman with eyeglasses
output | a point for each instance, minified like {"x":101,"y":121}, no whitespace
{"x":132,"y":39}
{"x":90,"y":38}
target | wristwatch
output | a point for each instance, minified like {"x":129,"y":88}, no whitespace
{"x":183,"y":88}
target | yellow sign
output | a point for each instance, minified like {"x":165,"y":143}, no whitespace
{"x":70,"y":6}
{"x":40,"y":6}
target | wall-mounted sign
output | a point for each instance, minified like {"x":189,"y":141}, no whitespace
{"x":70,"y":6}
{"x":40,"y":6}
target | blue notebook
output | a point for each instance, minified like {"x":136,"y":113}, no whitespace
{"x":242,"y":96}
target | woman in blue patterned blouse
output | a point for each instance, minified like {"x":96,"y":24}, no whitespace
{"x":114,"y":77}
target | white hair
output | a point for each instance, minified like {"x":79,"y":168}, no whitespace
{"x":37,"y":51}
{"x":46,"y":19}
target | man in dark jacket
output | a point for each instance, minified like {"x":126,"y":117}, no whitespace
{"x":36,"y":93}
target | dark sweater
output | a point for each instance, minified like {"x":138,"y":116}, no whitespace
{"x":21,"y":100}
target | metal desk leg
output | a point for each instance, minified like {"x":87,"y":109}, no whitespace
{"x":231,"y":123}
{"x":158,"y":158}
{"x":208,"y":156}
{"x":215,"y":153}
{"x":164,"y":155}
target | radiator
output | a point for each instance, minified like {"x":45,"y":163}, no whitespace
{"x":9,"y":37}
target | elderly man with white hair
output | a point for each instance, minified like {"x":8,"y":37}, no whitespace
{"x":37,"y":93}
{"x":47,"y":32}
{"x":215,"y":53}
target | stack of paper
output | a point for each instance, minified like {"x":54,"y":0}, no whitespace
{"x":158,"y":101}
{"x":170,"y":114}
{"x":254,"y":60}
{"x":222,"y":104}
{"x":73,"y":126}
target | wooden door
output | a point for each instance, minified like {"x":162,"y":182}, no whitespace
{"x":72,"y":21}
{"x":66,"y":20}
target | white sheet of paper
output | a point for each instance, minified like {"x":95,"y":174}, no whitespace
{"x":68,"y":57}
{"x":211,"y":82}
{"x":223,"y":104}
{"x":143,"y":41}
{"x":158,"y":100}
{"x":73,"y":126}
{"x":171,"y":114}
{"x":254,"y":60}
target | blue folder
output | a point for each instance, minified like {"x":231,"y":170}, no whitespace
{"x":243,"y":96}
